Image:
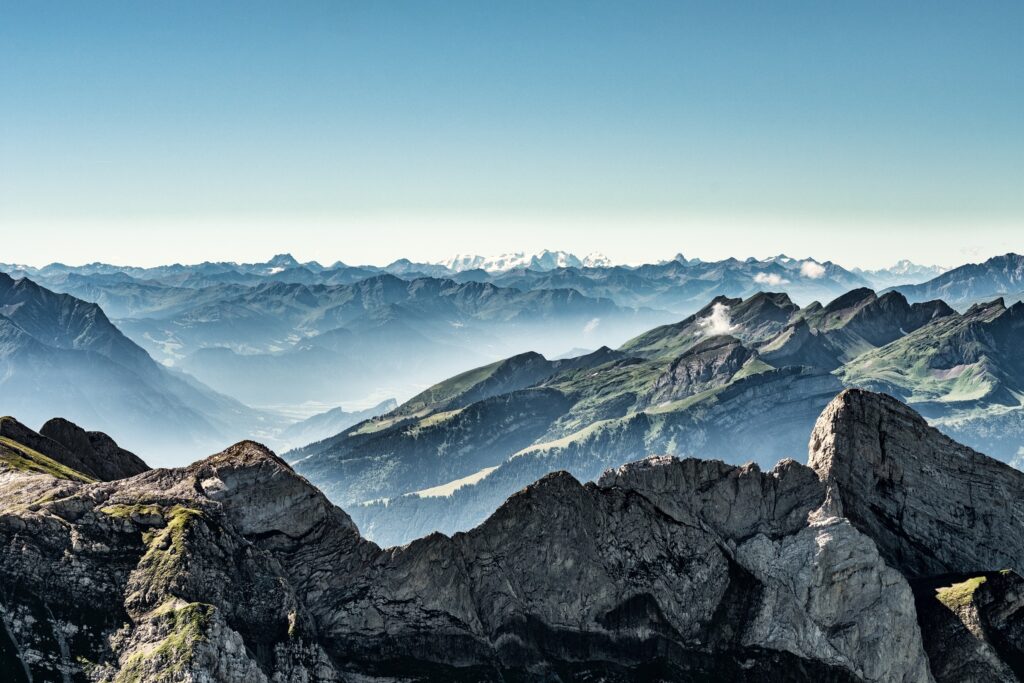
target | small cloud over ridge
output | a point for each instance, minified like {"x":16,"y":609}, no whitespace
{"x":718,"y":322}
{"x":771,"y":279}
{"x":812,"y":270}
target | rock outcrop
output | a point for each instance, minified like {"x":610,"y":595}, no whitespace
{"x":96,"y":453}
{"x":708,"y":364}
{"x":974,"y":626}
{"x":93,"y":454}
{"x":931,"y":505}
{"x":237,"y":569}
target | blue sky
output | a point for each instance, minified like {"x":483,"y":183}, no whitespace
{"x":862,"y":132}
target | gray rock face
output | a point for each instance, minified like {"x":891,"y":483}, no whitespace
{"x":931,"y":505}
{"x":236,"y":569}
{"x":708,"y":364}
{"x":974,"y":626}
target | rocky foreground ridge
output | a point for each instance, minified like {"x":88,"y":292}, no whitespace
{"x":892,"y":556}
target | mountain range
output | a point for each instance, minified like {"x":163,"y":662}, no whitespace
{"x":266,"y":344}
{"x":740,"y":378}
{"x":59,"y":354}
{"x":894,"y":554}
{"x":333,"y":343}
{"x":903,"y":272}
{"x":128,"y":292}
{"x":544,"y":260}
{"x":999,"y":276}
{"x":283,"y":334}
{"x":328,"y":423}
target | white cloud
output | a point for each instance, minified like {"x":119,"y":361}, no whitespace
{"x":718,"y":322}
{"x":591,"y":326}
{"x":812,"y":270}
{"x":772,"y":279}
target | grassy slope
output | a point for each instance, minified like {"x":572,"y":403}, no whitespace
{"x":449,"y":388}
{"x":915,"y":368}
{"x":22,"y":458}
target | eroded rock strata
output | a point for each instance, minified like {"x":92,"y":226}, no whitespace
{"x":237,"y":569}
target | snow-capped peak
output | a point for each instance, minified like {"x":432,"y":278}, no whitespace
{"x":903,"y":271}
{"x":596,"y":260}
{"x":543,"y":260}
{"x":908,"y":267}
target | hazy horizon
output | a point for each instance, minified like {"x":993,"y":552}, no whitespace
{"x":79,"y":250}
{"x":144,"y":133}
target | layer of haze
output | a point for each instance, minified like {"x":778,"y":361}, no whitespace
{"x":861,"y":132}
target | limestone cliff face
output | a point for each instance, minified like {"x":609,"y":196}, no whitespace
{"x":237,"y":569}
{"x":932,"y":505}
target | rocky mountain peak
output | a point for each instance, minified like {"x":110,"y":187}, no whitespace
{"x":986,"y":308}
{"x":97,"y":454}
{"x":922,"y":497}
{"x":854,"y":297}
{"x":282,"y":261}
{"x":92,"y":454}
{"x":711,"y":362}
{"x":244,"y":454}
{"x":236,"y":569}
{"x":262,"y":493}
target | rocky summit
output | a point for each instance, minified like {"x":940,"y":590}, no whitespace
{"x":893,"y":555}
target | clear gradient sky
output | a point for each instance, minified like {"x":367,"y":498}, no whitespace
{"x":863,"y":132}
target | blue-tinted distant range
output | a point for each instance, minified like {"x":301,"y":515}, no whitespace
{"x":181,"y":358}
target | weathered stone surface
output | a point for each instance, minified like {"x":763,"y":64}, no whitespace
{"x":708,"y":364}
{"x":931,"y":505}
{"x":973,"y":626}
{"x":236,"y":569}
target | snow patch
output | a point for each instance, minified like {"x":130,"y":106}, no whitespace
{"x":544,"y":261}
{"x":596,"y":260}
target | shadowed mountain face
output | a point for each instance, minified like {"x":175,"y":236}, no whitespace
{"x":60,"y":354}
{"x":236,"y":569}
{"x":740,"y":379}
{"x":64,"y":449}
